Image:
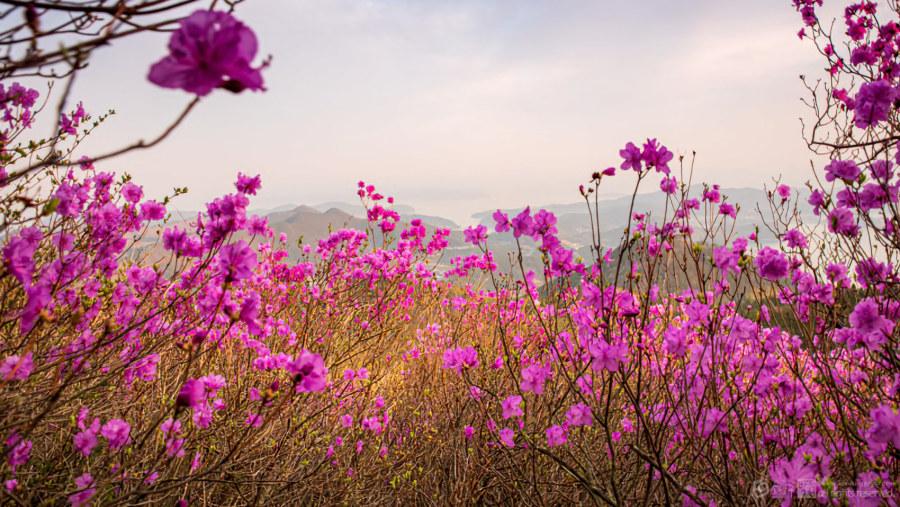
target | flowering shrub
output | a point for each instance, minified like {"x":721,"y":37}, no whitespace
{"x":143,"y":360}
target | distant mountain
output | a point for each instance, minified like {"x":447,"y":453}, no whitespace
{"x":312,"y":223}
{"x":358,"y":210}
{"x":574,"y":222}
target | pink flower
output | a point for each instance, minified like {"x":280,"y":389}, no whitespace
{"x":656,"y":155}
{"x":632,"y":156}
{"x":866,"y":318}
{"x":132,"y":193}
{"x":795,"y":239}
{"x":83,"y":483}
{"x":253,"y":420}
{"x":210,"y":50}
{"x":502,"y":221}
{"x":792,"y":477}
{"x":607,"y":356}
{"x":846,"y":170}
{"x":371,"y":424}
{"x":714,"y":421}
{"x":556,"y":436}
{"x":116,"y":431}
{"x":196,"y":462}
{"x":668,"y":185}
{"x":460,"y":358}
{"x":533,"y":378}
{"x":237,"y":261}
{"x":772,"y":264}
{"x":476,"y":235}
{"x":885,"y":428}
{"x":18,"y":451}
{"x":248,"y":185}
{"x":523,"y":224}
{"x":346,"y":420}
{"x":873,"y":102}
{"x":191,"y":394}
{"x":308,"y":371}
{"x":85,"y":441}
{"x":18,"y":256}
{"x":512,"y":407}
{"x":16,"y":368}
{"x":470,"y":432}
{"x":579,"y":415}
{"x":507,"y":437}
{"x":727,"y":209}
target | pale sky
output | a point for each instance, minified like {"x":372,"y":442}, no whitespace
{"x":458,"y":106}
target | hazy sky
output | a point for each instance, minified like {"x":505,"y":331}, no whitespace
{"x":458,"y":106}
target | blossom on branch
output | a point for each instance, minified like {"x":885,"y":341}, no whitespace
{"x":210,"y":50}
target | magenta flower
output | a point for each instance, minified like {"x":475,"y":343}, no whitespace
{"x":727,"y":209}
{"x":873,"y":102}
{"x":795,"y":239}
{"x":842,"y":221}
{"x":792,"y":477}
{"x":15,"y":367}
{"x":116,"y":431}
{"x":85,"y":441}
{"x":697,"y":313}
{"x":668,"y":185}
{"x":85,"y":491}
{"x":866,"y":318}
{"x":237,"y":261}
{"x":512,"y":407}
{"x":210,"y":50}
{"x":846,"y":170}
{"x":476,"y":235}
{"x":556,"y":436}
{"x":308,"y":371}
{"x":714,"y":421}
{"x":545,"y":223}
{"x":132,"y":193}
{"x":152,"y":210}
{"x":502,"y":221}
{"x":885,"y":427}
{"x":192,"y":393}
{"x":18,"y":451}
{"x":460,"y":358}
{"x":533,"y":378}
{"x":656,"y":155}
{"x":174,"y":240}
{"x":523,"y":224}
{"x":249,"y":313}
{"x":772,"y":264}
{"x":632,"y":156}
{"x":579,"y":415}
{"x":18,"y":256}
{"x":248,"y":185}
{"x":676,"y":341}
{"x":872,"y":197}
{"x":507,"y":437}
{"x":606,"y":356}
{"x":253,"y":420}
{"x":470,"y":432}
